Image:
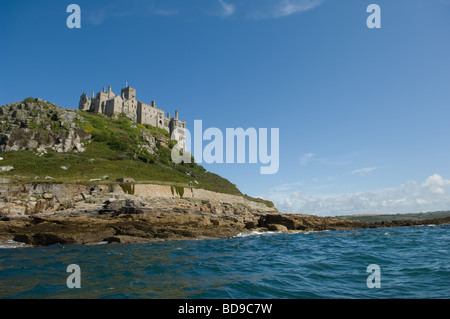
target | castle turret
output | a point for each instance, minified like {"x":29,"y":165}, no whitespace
{"x":111,"y":94}
{"x":129,"y":93}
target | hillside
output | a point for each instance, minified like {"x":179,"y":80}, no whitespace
{"x":41,"y":142}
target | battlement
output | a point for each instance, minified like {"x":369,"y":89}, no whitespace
{"x":110,"y":104}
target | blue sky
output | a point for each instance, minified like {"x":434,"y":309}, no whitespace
{"x":363,"y":113}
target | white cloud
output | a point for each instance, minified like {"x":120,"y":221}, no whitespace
{"x":134,"y":8}
{"x":285,"y":187}
{"x":227,"y":8}
{"x":305,"y":159}
{"x":411,"y":197}
{"x":289,"y":7}
{"x":436,"y":184}
{"x":265,"y":9}
{"x":270,"y":9}
{"x":248,"y":9}
{"x":338,"y":160}
{"x":363,"y":171}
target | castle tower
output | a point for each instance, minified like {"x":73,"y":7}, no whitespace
{"x":128,"y":93}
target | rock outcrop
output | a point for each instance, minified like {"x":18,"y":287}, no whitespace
{"x":109,"y":215}
{"x":39,"y":125}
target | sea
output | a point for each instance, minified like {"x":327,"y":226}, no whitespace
{"x":382,"y":263}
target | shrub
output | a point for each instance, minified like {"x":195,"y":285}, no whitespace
{"x":117,"y":144}
{"x":29,"y":99}
{"x":172,"y":143}
{"x":179,"y":190}
{"x":100,"y":136}
{"x":128,"y":188}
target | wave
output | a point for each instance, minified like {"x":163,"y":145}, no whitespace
{"x":10,"y":244}
{"x":98,"y":243}
{"x":257,"y":233}
{"x":267,"y":233}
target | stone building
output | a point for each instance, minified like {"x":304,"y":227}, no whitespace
{"x":110,"y":104}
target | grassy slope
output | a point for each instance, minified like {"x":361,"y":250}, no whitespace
{"x":114,"y":152}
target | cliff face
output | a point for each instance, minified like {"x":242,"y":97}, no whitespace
{"x":39,"y":125}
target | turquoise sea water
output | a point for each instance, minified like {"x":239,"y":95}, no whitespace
{"x":414,"y":263}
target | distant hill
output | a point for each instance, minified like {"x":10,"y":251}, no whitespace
{"x":372,"y":218}
{"x":42,"y":142}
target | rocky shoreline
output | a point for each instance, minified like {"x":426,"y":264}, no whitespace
{"x":113,"y":216}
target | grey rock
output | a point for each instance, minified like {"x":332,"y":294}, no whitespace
{"x":47,"y":196}
{"x":38,"y":126}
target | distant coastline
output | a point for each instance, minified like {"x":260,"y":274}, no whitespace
{"x":372,"y":218}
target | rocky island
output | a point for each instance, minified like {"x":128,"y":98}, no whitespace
{"x":73,"y":177}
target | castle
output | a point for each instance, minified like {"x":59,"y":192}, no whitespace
{"x":110,"y":104}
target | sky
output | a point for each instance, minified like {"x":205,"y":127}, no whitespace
{"x":363,"y":114}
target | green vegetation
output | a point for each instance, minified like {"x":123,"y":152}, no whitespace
{"x":268,"y":203}
{"x":155,"y":130}
{"x":128,"y":188}
{"x":372,"y":218}
{"x":29,"y":99}
{"x":179,"y":190}
{"x":115,"y":150}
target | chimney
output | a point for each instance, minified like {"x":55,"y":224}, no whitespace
{"x":153,"y":104}
{"x":176,"y":115}
{"x":93,"y":94}
{"x":109,"y":88}
{"x":168,"y":115}
{"x":103,"y":89}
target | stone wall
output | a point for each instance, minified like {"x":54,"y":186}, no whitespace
{"x":151,"y":190}
{"x":69,"y":192}
{"x":66,"y":192}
